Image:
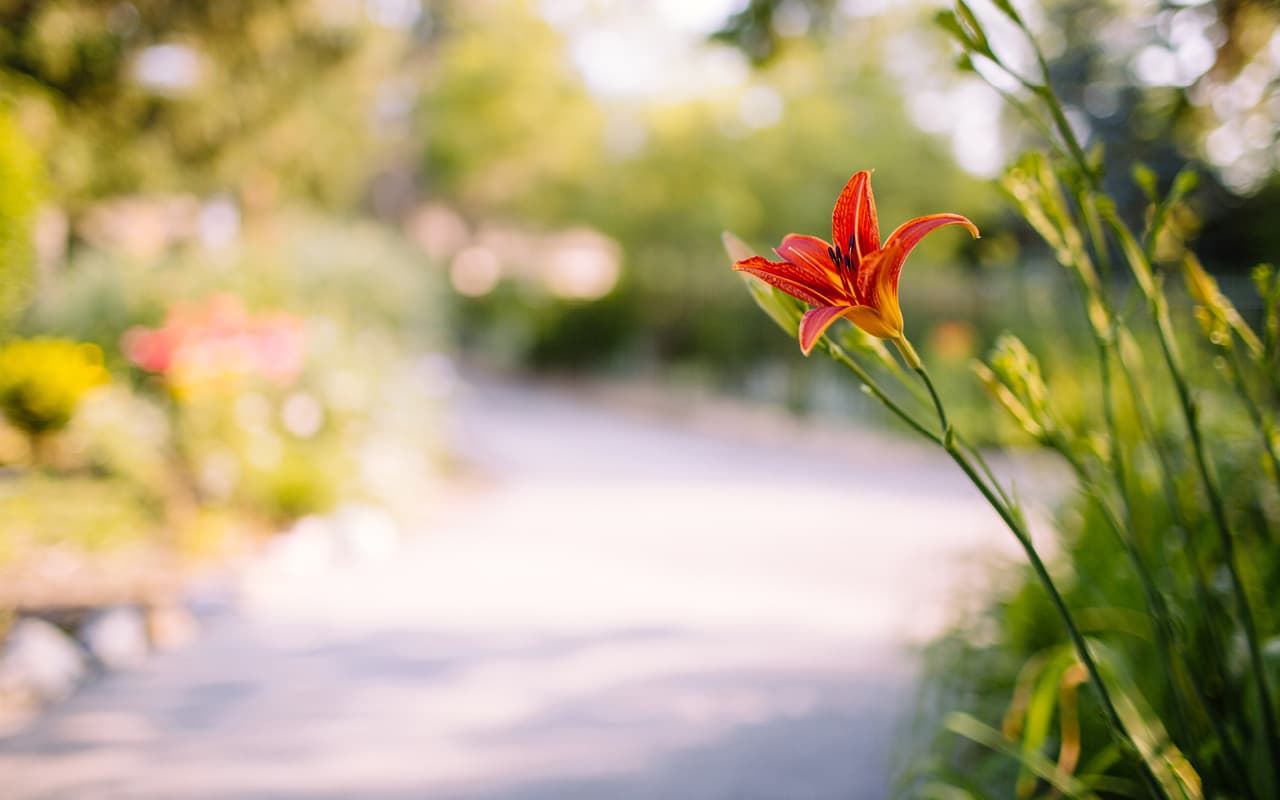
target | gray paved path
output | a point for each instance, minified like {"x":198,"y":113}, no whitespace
{"x":622,"y":606}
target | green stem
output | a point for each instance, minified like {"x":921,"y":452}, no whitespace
{"x":1165,"y":636}
{"x":1200,"y":582}
{"x":1016,"y":526}
{"x":937,"y":401}
{"x":1156,"y":605}
{"x":1076,"y":152}
{"x":1261,"y":423}
{"x":1054,"y":104}
{"x":1117,"y":457}
{"x":1217,"y":507}
{"x":1073,"y":631}
{"x":988,"y":473}
{"x":875,"y":391}
{"x":913,"y":360}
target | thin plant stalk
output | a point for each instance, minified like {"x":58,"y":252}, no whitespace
{"x":1190,"y":413}
{"x":1159,"y":609}
{"x":1140,"y":266}
{"x":872,"y":388}
{"x":1017,"y":526}
{"x":1200,"y":582}
{"x":1107,"y":352}
{"x":1264,"y":426}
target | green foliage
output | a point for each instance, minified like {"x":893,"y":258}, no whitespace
{"x":1161,"y":508}
{"x":354,"y":274}
{"x":301,"y":482}
{"x":1157,"y":603}
{"x":508,"y":125}
{"x":755,"y":29}
{"x":84,"y":515}
{"x":976,"y":667}
{"x":42,"y":381}
{"x":163,"y":96}
{"x":19,"y":185}
{"x":510,"y":131}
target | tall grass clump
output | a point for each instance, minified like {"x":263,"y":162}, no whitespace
{"x":1141,"y":661}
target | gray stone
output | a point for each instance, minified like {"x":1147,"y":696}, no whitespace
{"x":171,"y":626}
{"x":116,"y":637}
{"x":40,"y":661}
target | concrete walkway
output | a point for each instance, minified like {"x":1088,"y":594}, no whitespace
{"x":620,"y":605}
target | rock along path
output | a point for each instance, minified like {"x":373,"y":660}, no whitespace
{"x":625,"y":605}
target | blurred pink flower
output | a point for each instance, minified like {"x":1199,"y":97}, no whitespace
{"x":219,"y":341}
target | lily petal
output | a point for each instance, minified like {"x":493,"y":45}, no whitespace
{"x":907,"y":235}
{"x":884,"y":323}
{"x":815,"y":322}
{"x":855,"y":217}
{"x":812,"y":252}
{"x":795,"y":281}
{"x":872,"y":284}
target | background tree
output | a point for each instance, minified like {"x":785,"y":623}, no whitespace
{"x":19,"y":189}
{"x":1194,"y":82}
{"x":162,"y":95}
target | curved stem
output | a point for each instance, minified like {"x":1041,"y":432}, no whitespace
{"x":987,"y":472}
{"x":1017,"y":526}
{"x":1263,"y":425}
{"x":875,"y":391}
{"x":937,"y":401}
{"x":1020,"y":533}
{"x":1156,"y":605}
{"x":1217,"y":507}
{"x":1199,"y":580}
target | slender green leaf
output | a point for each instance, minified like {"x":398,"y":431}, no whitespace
{"x":1008,"y":10}
{"x":970,"y":21}
{"x":937,"y":790}
{"x":1167,"y":763}
{"x":1040,"y":709}
{"x":1145,"y":177}
{"x":949,"y":22}
{"x":978,"y":731}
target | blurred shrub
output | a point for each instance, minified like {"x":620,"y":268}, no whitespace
{"x":359,"y":275}
{"x":217,"y":344}
{"x":662,"y":178}
{"x":276,"y":377}
{"x":124,"y":435}
{"x":42,"y":381}
{"x":81,"y":514}
{"x":983,"y":665}
{"x":19,"y":178}
{"x":299,"y":483}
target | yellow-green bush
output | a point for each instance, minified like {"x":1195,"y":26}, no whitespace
{"x":19,"y":179}
{"x":84,"y":515}
{"x":42,"y":381}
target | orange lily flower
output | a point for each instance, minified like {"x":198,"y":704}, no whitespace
{"x":857,"y":278}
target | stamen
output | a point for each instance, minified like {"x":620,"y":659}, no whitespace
{"x":837,"y":258}
{"x":852,"y":256}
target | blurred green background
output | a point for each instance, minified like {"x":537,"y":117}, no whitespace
{"x":540,"y":187}
{"x":564,"y":168}
{"x":245,"y":245}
